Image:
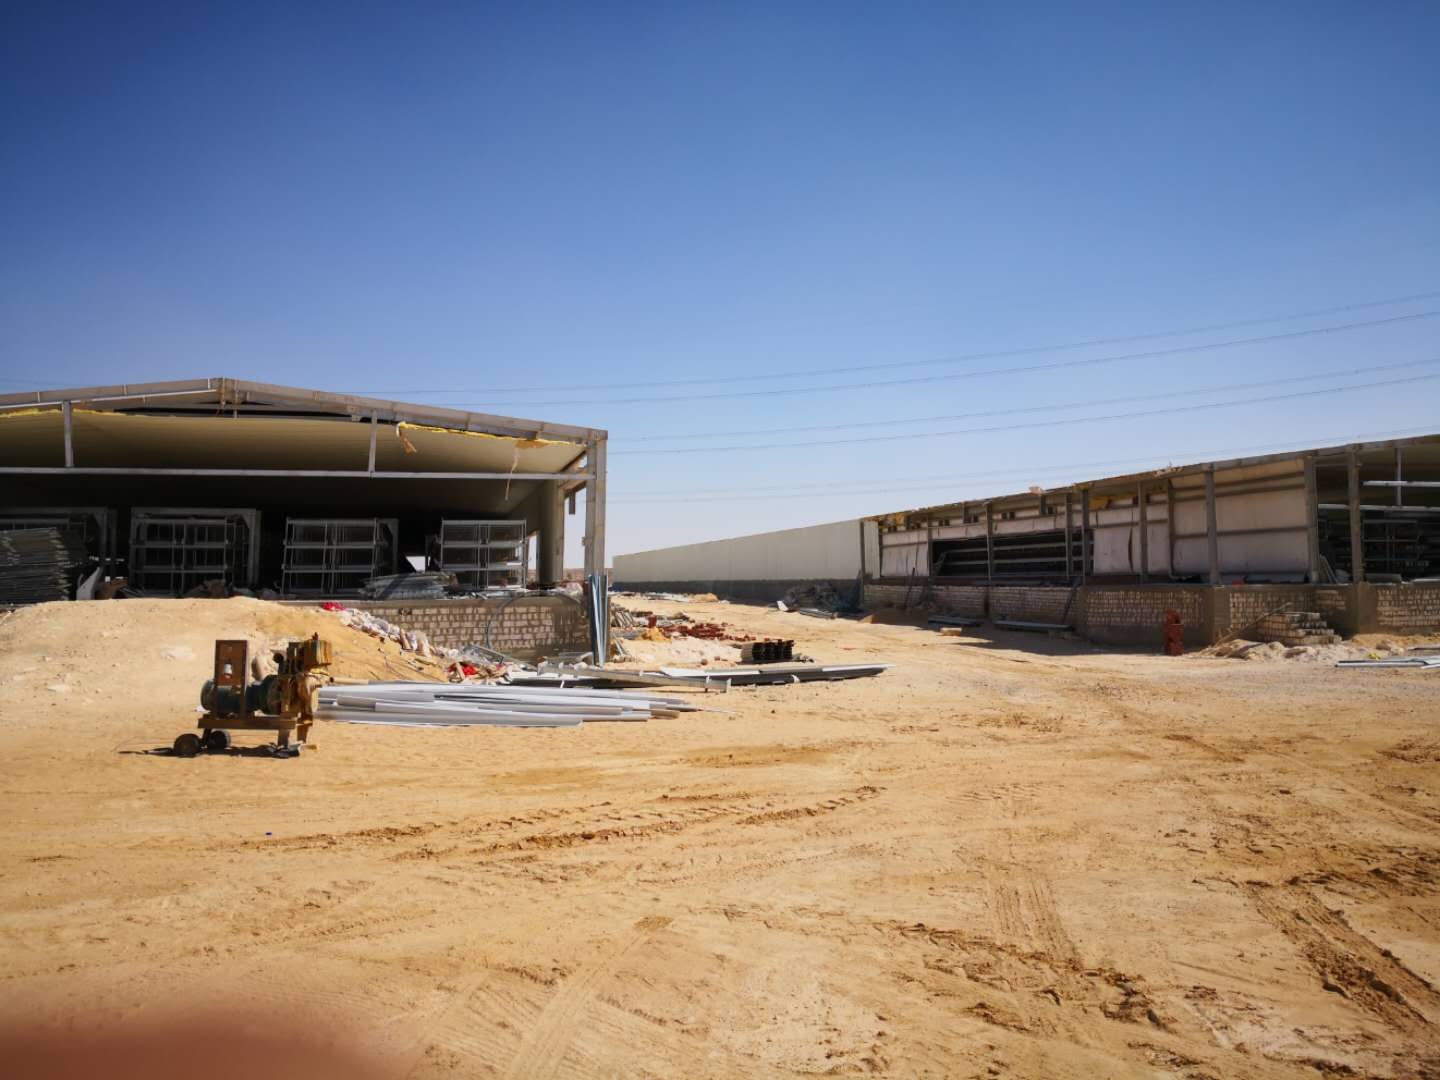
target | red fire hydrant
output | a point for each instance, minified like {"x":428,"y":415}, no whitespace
{"x":1174,"y":631}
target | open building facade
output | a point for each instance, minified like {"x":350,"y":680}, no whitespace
{"x":308,"y":494}
{"x":1349,"y":532}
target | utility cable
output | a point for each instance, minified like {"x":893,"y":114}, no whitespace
{"x":793,"y":429}
{"x":911,"y":436}
{"x":958,"y":359}
{"x":1050,"y":366}
{"x":931,"y":481}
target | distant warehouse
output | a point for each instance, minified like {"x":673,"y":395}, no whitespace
{"x":1351,"y":532}
{"x":217,"y":485}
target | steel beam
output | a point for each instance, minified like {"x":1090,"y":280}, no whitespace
{"x":338,"y":474}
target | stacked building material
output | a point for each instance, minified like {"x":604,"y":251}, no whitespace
{"x":578,"y":675}
{"x":767,"y":652}
{"x":38,"y":565}
{"x":444,"y":704}
{"x":427,"y":585}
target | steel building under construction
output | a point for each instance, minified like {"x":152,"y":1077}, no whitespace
{"x":1349,"y":533}
{"x":303,"y":493}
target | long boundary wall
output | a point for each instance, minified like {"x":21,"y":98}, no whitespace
{"x":761,"y":566}
{"x":1133,"y":614}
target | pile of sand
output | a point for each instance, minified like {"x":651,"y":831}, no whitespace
{"x":81,"y":654}
{"x":1269,"y":651}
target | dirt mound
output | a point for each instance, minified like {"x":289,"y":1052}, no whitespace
{"x":83,"y":654}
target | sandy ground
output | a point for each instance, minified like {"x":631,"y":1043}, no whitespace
{"x":1008,"y":856}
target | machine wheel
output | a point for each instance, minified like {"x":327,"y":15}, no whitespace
{"x":217,"y":741}
{"x":187,"y":745}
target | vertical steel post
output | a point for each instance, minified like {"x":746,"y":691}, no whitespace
{"x":1312,"y":521}
{"x":989,"y":544}
{"x":1144,"y":534}
{"x":595,"y":509}
{"x":1069,"y":530}
{"x":1170,"y":526}
{"x":1357,"y":526}
{"x":374,"y":426}
{"x":69,"y":414}
{"x":1212,"y":530}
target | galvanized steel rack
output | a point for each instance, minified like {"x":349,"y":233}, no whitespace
{"x":173,"y":550}
{"x":483,"y":554}
{"x":336,"y":556}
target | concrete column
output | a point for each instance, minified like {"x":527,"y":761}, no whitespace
{"x":1212,"y":532}
{"x":550,"y":548}
{"x":1084,"y":534}
{"x":1357,"y":528}
{"x":1312,"y":521}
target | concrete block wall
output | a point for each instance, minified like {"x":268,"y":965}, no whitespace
{"x":1034,"y":604}
{"x":946,"y":599}
{"x":526,"y":628}
{"x":1406,"y":609}
{"x":1135,"y":614}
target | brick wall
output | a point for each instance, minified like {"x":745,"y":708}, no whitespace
{"x":1247,"y":603}
{"x":527,"y":628}
{"x":1135,"y":614}
{"x":1407,"y":609}
{"x":1050,"y":604}
{"x":948,"y":599}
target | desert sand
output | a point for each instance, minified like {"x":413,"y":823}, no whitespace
{"x":1007,"y":856}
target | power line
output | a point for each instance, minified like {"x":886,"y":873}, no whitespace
{"x":934,"y":480}
{"x":791,"y":429}
{"x":911,"y":436}
{"x":961,"y":358}
{"x":1052,"y":366}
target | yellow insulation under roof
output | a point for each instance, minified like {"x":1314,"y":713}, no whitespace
{"x":521,"y":444}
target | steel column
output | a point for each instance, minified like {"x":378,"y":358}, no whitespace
{"x":595,"y":509}
{"x":1357,"y":526}
{"x":69,"y":413}
{"x":1069,"y":536}
{"x":1212,"y":531}
{"x":1312,"y":521}
{"x":1144,"y":534}
{"x":1170,"y":527}
{"x":989,"y":544}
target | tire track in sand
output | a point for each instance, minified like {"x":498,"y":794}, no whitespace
{"x":549,"y":1038}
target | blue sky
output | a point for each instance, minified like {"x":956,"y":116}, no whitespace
{"x":495,"y":204}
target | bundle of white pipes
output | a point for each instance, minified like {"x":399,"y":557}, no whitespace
{"x":412,"y":704}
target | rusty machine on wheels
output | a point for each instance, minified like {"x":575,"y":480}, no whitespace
{"x":284,"y":702}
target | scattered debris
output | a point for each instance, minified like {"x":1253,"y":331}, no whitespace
{"x":767,"y":652}
{"x":1394,"y":661}
{"x":1025,"y":624}
{"x":955,"y":620}
{"x":820,"y":596}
